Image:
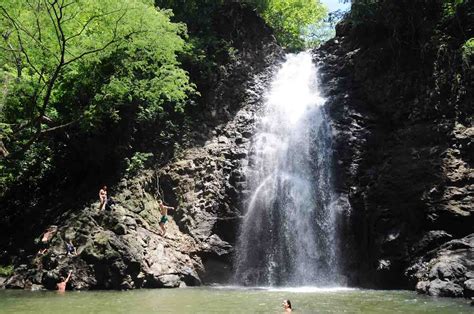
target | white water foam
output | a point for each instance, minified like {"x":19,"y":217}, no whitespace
{"x":289,"y":233}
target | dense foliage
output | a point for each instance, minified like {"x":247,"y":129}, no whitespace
{"x":291,"y":20}
{"x":71,"y":65}
{"x":72,"y":71}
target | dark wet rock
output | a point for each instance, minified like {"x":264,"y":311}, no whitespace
{"x":120,"y":229}
{"x":169,"y":281}
{"x":469,"y":288}
{"x":35,"y":287}
{"x":343,"y":28}
{"x":402,"y":141}
{"x":422,"y":287}
{"x":431,"y":240}
{"x":16,"y":281}
{"x":447,"y":271}
{"x":439,"y":288}
{"x":453,"y":263}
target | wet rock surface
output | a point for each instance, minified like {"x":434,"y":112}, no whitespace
{"x":116,"y":249}
{"x":403,"y":148}
{"x":446,"y":271}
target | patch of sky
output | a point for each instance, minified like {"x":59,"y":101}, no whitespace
{"x":319,"y":33}
{"x":334,"y":5}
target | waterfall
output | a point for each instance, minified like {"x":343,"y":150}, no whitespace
{"x":288,"y":236}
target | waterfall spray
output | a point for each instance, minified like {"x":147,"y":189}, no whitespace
{"x":288,"y":234}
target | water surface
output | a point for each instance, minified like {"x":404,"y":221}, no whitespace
{"x":228,"y":300}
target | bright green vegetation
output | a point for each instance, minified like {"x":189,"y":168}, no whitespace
{"x":71,"y":65}
{"x":79,"y":69}
{"x":6,"y":270}
{"x":227,"y":300}
{"x":293,"y":19}
{"x":468,"y":51}
{"x":450,"y":7}
{"x":137,"y":162}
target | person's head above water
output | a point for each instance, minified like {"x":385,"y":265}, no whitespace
{"x":287,"y":305}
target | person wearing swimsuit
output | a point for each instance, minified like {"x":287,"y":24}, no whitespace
{"x":164,"y":216}
{"x":103,"y":197}
{"x":62,"y":284}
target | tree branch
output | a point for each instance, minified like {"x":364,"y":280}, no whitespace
{"x":3,"y":150}
{"x":112,"y":41}
{"x":62,"y":126}
{"x":89,"y":20}
{"x":62,"y":44}
{"x":19,"y":27}
{"x":20,"y":41}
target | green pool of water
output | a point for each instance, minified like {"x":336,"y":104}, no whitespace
{"x":228,"y":300}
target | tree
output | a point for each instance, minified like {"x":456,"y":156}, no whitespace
{"x":70,"y":62}
{"x":290,"y":19}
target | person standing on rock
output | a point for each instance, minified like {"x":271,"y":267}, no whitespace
{"x":164,"y":216}
{"x":46,"y":239}
{"x":62,"y":284}
{"x":103,"y":197}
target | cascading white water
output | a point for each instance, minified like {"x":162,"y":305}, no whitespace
{"x":288,"y":234}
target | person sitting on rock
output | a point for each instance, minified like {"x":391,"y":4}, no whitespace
{"x":46,"y":239}
{"x":103,"y":197}
{"x":164,"y":217}
{"x":109,"y":203}
{"x":70,"y":249}
{"x":63,"y":282}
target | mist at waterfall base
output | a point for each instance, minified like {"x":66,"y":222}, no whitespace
{"x":288,"y":236}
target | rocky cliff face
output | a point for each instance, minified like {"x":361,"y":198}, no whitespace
{"x":122,"y":248}
{"x":400,"y":99}
{"x":400,"y":96}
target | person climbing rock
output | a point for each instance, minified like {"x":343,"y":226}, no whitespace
{"x":164,"y":216}
{"x":46,"y":237}
{"x":62,"y":284}
{"x":70,"y":249}
{"x":103,"y":197}
{"x":287,"y":306}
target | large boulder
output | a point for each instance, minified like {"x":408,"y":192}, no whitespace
{"x":447,"y":270}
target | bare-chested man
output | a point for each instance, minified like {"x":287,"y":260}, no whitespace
{"x":164,"y":217}
{"x":46,"y":238}
{"x":62,"y":284}
{"x":103,"y":197}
